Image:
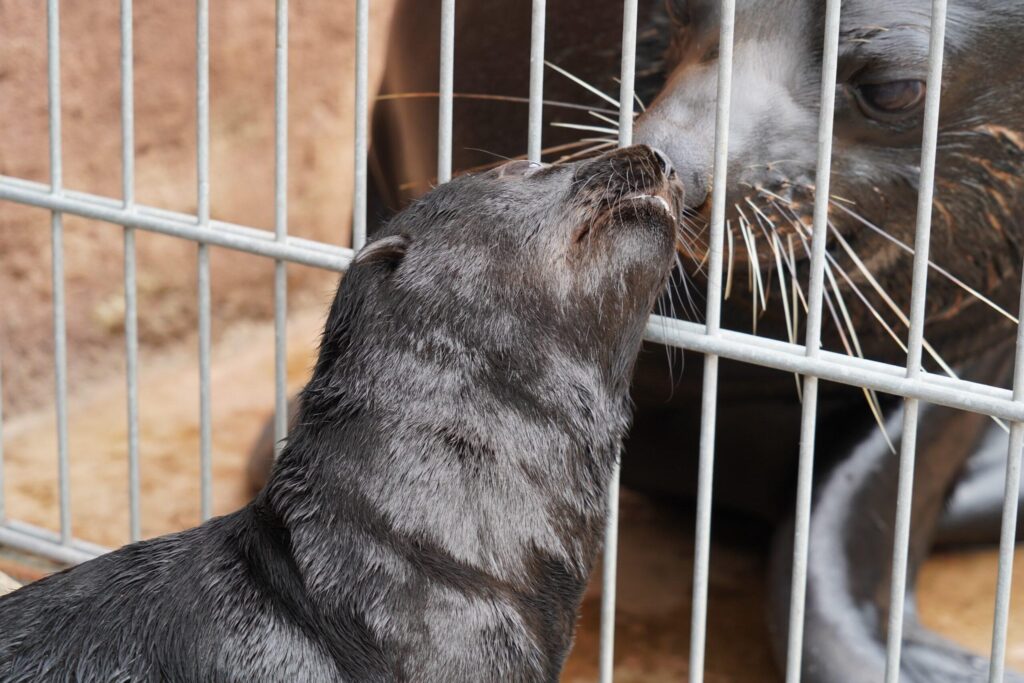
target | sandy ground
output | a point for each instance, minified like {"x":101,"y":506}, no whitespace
{"x":656,"y":540}
{"x":320,"y":165}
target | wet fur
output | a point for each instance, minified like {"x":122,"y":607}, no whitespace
{"x":440,"y":502}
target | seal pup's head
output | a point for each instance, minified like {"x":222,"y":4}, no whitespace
{"x":515,"y":265}
{"x":472,"y":386}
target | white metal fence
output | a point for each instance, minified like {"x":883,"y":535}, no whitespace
{"x":808,"y":360}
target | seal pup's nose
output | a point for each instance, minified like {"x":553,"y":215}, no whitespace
{"x":664,"y":162}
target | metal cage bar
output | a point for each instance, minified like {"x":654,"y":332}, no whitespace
{"x":3,"y":505}
{"x":57,"y":268}
{"x":203,"y":257}
{"x":816,"y":294}
{"x":131,"y":328}
{"x":627,"y":75}
{"x":446,"y":92}
{"x":280,"y":224}
{"x":536,"y":115}
{"x":915,"y":339}
{"x":1008,"y":531}
{"x":362,"y":143}
{"x":709,"y":391}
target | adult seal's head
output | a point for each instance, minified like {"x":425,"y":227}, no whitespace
{"x":978,"y":231}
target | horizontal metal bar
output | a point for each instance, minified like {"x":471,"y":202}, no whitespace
{"x":226,"y":235}
{"x":836,"y":367}
{"x":45,"y":543}
{"x":3,"y":509}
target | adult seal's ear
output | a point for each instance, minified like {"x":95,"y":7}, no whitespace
{"x":389,"y":249}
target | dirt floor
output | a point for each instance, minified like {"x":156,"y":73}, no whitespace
{"x":320,"y":165}
{"x":655,"y":558}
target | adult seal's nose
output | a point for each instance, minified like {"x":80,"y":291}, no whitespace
{"x":664,"y":162}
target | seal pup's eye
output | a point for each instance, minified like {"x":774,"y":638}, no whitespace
{"x":894,"y":98}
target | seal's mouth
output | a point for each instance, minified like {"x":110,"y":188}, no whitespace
{"x":656,"y":200}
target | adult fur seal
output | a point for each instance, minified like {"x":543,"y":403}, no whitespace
{"x":976,"y":248}
{"x":439,"y":505}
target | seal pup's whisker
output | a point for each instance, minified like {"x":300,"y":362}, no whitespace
{"x":583,"y":84}
{"x":495,"y":98}
{"x":607,"y":119}
{"x":494,"y":164}
{"x":583,"y":126}
{"x":600,"y":146}
{"x":636,"y":97}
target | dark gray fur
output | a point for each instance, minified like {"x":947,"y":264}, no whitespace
{"x":439,"y":505}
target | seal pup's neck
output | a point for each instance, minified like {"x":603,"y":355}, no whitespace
{"x":437,"y":442}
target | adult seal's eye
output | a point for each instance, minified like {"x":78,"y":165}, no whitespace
{"x":895,"y":98}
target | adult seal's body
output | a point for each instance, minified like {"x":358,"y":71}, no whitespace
{"x":976,"y":248}
{"x":441,"y":501}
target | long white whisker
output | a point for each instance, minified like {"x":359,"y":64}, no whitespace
{"x":938,"y":269}
{"x":583,"y":84}
{"x":606,"y":119}
{"x":583,"y":126}
{"x":732,"y":262}
{"x":869,"y":394}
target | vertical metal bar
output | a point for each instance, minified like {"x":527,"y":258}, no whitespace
{"x":709,"y":395}
{"x":908,"y":441}
{"x":1008,"y":532}
{"x":203,"y":219}
{"x":131,"y":334}
{"x":816,"y":291}
{"x":446,"y":92}
{"x":57,"y":271}
{"x":609,"y":572}
{"x":3,"y":507}
{"x":536,"y":120}
{"x":362,"y":122}
{"x":627,"y":73}
{"x":281,"y":224}
{"x":611,"y":542}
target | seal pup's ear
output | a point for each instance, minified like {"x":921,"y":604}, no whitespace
{"x":388,"y":249}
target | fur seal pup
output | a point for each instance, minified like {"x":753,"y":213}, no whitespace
{"x":977,"y":245}
{"x":440,"y":503}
